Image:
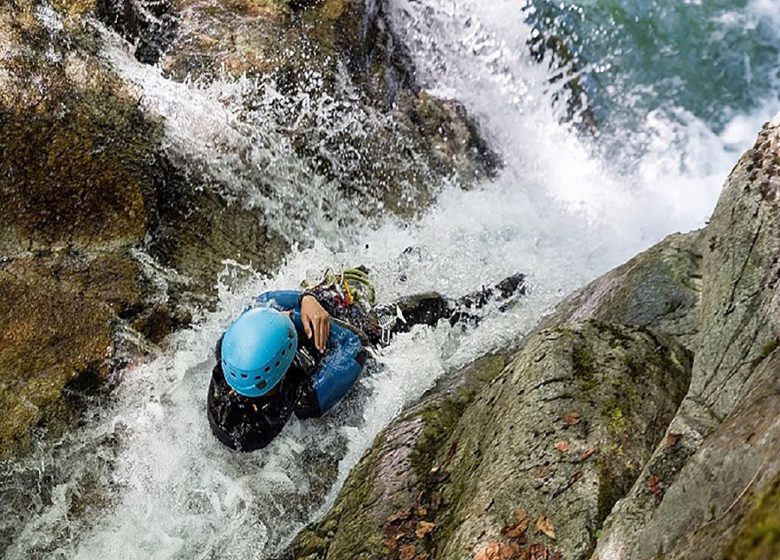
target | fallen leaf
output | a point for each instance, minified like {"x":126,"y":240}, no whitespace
{"x":521,"y":516}
{"x":423,"y":528}
{"x":400,"y":516}
{"x":407,"y":552}
{"x":391,"y":544}
{"x":654,"y":487}
{"x":517,"y":529}
{"x":562,"y":446}
{"x":585,"y":455}
{"x":545,"y":525}
{"x":537,"y":552}
{"x":671,"y":440}
{"x":421,"y":511}
{"x":572,"y":418}
{"x":498,"y":551}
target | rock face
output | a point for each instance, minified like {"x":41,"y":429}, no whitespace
{"x":639,"y":421}
{"x":93,"y":205}
{"x":337,"y":60}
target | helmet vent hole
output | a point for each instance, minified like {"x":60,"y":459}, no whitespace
{"x":289,"y":346}
{"x":257,"y":378}
{"x":284,"y":352}
{"x":276,"y":364}
{"x":244,"y":376}
{"x":267,"y":369}
{"x":262,"y":385}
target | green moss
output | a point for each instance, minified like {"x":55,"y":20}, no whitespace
{"x":617,"y":422}
{"x":759,"y":534}
{"x":769,"y":347}
{"x":348,"y":531}
{"x":584,"y":369}
{"x":440,"y":420}
{"x":609,"y":491}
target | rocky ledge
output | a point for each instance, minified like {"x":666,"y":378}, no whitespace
{"x":638,"y":421}
{"x":110,"y":238}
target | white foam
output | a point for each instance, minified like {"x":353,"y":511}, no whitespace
{"x":556,"y":212}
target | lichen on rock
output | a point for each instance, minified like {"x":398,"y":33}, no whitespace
{"x":593,"y":429}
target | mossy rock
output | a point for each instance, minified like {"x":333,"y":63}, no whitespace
{"x":76,"y":159}
{"x":50,"y":337}
{"x":759,"y":534}
{"x":450,"y":472}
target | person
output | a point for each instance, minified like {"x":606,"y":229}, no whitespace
{"x":300,"y":351}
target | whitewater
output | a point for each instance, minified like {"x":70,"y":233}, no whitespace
{"x":564,"y":208}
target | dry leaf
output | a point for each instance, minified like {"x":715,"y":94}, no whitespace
{"x":521,"y":516}
{"x":671,"y":440}
{"x":537,"y":552}
{"x":514,"y":532}
{"x":542,"y":471}
{"x":423,"y":528}
{"x":400,"y":516}
{"x":572,"y":418}
{"x":562,"y":446}
{"x":407,"y":552}
{"x":545,"y":525}
{"x":585,"y":455}
{"x":654,"y":487}
{"x":498,"y":551}
{"x":517,"y":529}
{"x":391,"y":544}
{"x":421,"y":511}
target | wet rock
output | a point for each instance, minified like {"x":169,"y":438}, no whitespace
{"x":658,"y":289}
{"x":739,"y":324}
{"x":195,"y":231}
{"x":469,"y":472}
{"x":57,"y":318}
{"x":337,"y":61}
{"x":551,"y":50}
{"x":86,"y":194}
{"x":74,"y":156}
{"x":149,"y":25}
{"x":637,"y":421}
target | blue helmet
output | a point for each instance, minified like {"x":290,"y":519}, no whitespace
{"x":257,"y":350}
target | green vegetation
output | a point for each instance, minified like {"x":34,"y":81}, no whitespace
{"x":759,"y":535}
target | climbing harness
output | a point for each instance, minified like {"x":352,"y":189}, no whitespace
{"x":351,"y":286}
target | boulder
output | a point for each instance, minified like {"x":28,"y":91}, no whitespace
{"x":726,"y":421}
{"x":58,"y":316}
{"x":86,"y":193}
{"x":639,"y":420}
{"x":336,"y":61}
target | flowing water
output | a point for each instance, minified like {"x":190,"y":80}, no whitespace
{"x":678,"y":89}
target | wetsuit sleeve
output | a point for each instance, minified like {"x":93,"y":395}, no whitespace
{"x":283,"y":300}
{"x":340,"y":368}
